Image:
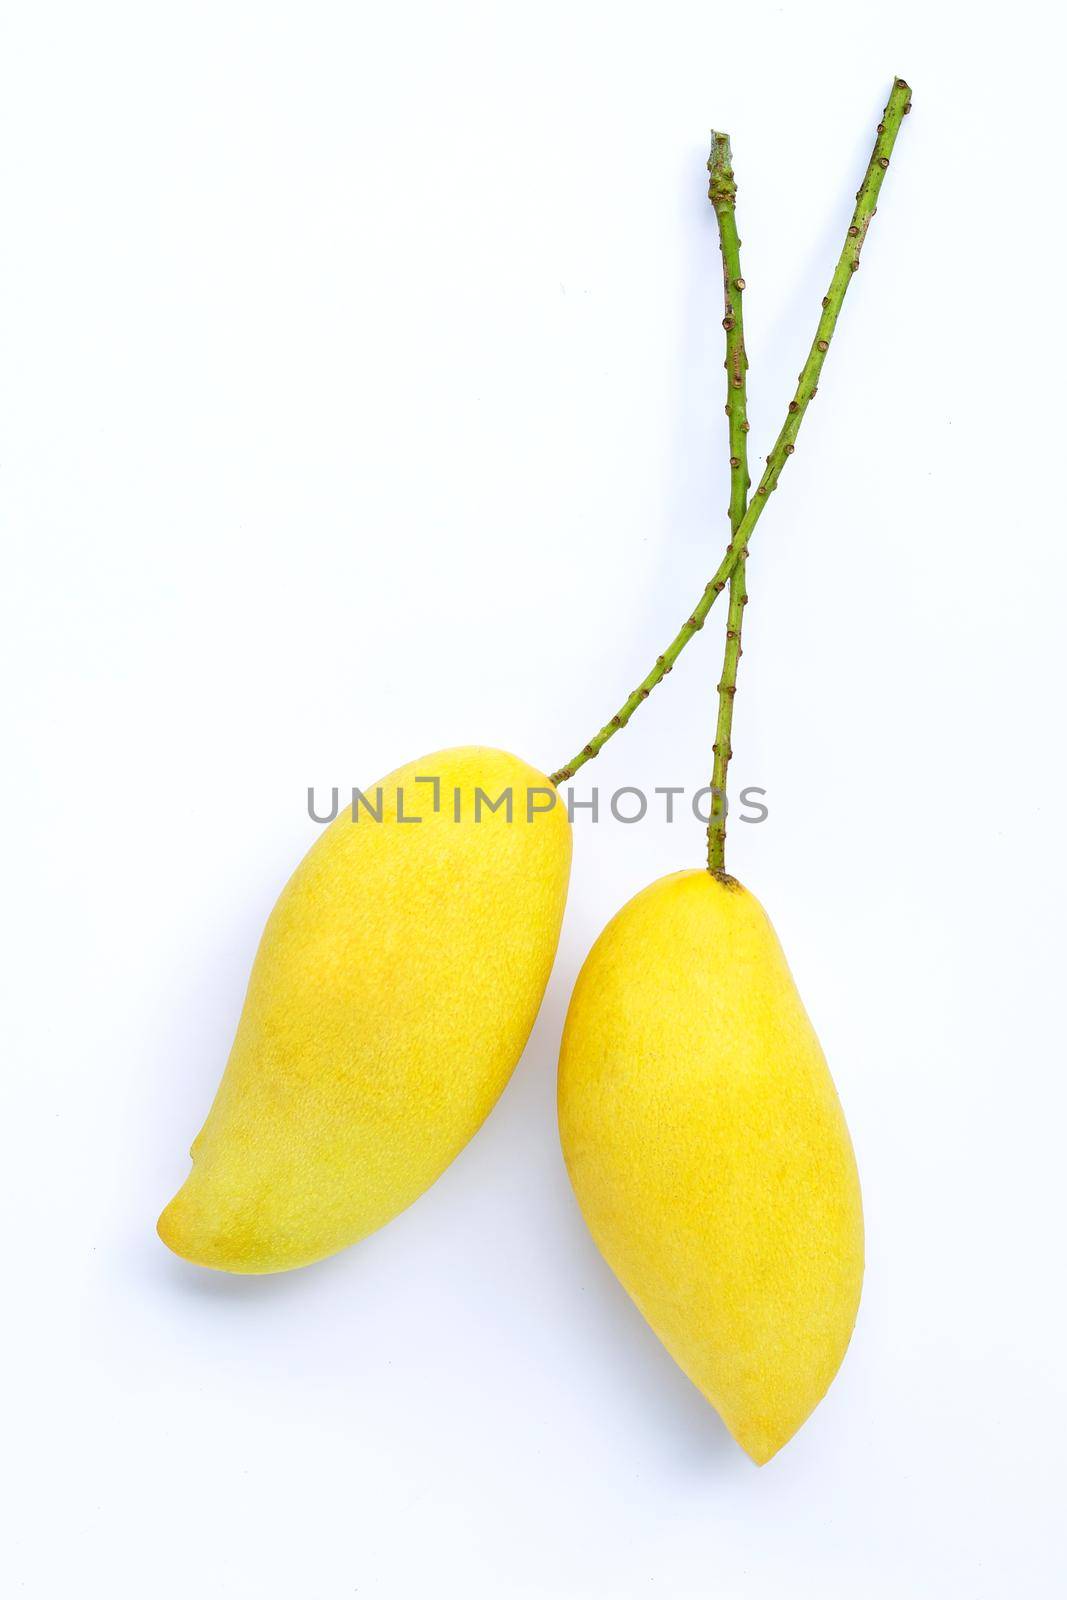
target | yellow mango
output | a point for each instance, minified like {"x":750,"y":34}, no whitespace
{"x":392,"y":995}
{"x":709,"y":1153}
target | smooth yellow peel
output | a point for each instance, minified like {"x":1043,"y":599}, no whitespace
{"x":709,"y":1152}
{"x":393,"y":992}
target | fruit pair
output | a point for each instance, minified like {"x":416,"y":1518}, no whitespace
{"x":393,"y":992}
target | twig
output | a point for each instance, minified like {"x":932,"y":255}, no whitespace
{"x":722,"y":192}
{"x":866,"y":204}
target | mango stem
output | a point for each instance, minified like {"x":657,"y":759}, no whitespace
{"x":848,"y":263}
{"x":722,"y":192}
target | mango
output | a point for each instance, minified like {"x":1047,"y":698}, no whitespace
{"x":709,"y":1153}
{"x":393,"y":992}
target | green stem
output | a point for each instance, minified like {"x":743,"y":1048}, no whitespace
{"x":866,"y":204}
{"x":722,"y":192}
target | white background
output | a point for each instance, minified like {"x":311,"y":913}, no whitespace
{"x":362,"y":394}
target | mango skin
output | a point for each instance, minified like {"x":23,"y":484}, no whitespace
{"x":709,"y":1153}
{"x":395,"y":987}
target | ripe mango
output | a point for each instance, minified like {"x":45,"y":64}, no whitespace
{"x":395,"y":986}
{"x":709,"y":1153}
